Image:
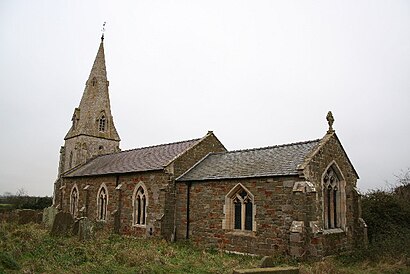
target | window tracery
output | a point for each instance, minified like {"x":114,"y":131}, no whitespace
{"x":333,"y":199}
{"x":239,"y":210}
{"x":140,"y":205}
{"x":74,"y":201}
{"x":102,"y":202}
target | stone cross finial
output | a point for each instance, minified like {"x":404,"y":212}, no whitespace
{"x":330,"y":120}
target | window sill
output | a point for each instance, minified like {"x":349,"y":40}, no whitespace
{"x":333,"y":231}
{"x":139,"y":226}
{"x":246,"y":233}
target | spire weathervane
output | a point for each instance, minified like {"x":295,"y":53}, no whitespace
{"x":330,"y":120}
{"x":102,"y":31}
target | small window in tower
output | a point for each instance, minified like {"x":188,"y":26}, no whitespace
{"x":102,"y":123}
{"x":94,"y":81}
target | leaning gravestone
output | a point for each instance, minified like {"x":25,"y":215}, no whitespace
{"x":62,"y":225}
{"x":85,"y":229}
{"x":49,"y":214}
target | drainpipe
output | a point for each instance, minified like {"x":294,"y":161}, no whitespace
{"x":188,"y":191}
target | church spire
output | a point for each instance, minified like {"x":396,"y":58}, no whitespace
{"x":92,"y":131}
{"x":99,"y":70}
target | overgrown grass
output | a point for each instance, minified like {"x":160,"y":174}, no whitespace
{"x":30,"y":249}
{"x":337,"y":265}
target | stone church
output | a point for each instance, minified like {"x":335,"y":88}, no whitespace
{"x":297,"y":199}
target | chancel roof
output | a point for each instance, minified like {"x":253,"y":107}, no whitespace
{"x":279,"y":160}
{"x":135,"y":160}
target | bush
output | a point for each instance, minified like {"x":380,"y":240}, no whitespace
{"x":387,"y":214}
{"x":7,"y":261}
{"x":9,"y":202}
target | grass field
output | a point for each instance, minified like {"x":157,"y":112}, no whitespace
{"x":30,"y":249}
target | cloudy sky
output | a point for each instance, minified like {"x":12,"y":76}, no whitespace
{"x":257,"y":73}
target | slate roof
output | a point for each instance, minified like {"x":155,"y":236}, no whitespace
{"x":135,"y":160}
{"x":269,"y":161}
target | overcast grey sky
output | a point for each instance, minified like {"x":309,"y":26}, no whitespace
{"x":257,"y":73}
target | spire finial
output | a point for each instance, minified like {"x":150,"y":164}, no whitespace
{"x":102,"y":31}
{"x":330,"y":120}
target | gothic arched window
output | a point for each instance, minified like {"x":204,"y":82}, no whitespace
{"x":140,"y":203}
{"x":102,"y":202}
{"x":239,"y":209}
{"x":74,"y":201}
{"x":333,"y":199}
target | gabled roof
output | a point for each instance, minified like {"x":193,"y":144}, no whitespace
{"x":135,"y":160}
{"x":329,"y":135}
{"x":269,"y":161}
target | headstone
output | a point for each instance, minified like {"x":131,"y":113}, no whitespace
{"x":62,"y":225}
{"x":49,"y":214}
{"x":267,"y":261}
{"x":76,"y":227}
{"x":85,"y":229}
{"x":117,"y":221}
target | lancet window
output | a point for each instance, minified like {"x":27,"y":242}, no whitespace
{"x":333,"y":199}
{"x":74,"y":201}
{"x":102,"y":202}
{"x":102,"y":123}
{"x":140,"y":205}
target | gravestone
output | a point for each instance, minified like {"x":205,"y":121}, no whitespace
{"x":49,"y":214}
{"x":267,"y":261}
{"x":85,"y":229}
{"x":62,"y":225}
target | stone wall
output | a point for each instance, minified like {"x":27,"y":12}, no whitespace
{"x":160,"y":186}
{"x":180,"y":165}
{"x":83,"y":148}
{"x":21,"y":216}
{"x":289,"y":210}
{"x":188,"y":159}
{"x":275,"y":205}
{"x":331,"y":151}
{"x":120,"y":196}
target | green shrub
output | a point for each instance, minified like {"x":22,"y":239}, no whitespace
{"x":8,"y":262}
{"x":387,"y":214}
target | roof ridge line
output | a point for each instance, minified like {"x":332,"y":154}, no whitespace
{"x":166,"y":144}
{"x":268,"y":147}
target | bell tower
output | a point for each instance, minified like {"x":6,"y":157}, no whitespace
{"x":92,"y":131}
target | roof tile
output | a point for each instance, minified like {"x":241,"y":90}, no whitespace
{"x":135,"y":160}
{"x":269,"y":161}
